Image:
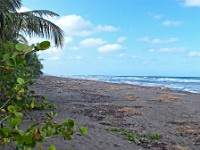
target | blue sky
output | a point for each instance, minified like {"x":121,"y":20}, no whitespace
{"x":124,"y":37}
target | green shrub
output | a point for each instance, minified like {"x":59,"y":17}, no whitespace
{"x":16,"y":100}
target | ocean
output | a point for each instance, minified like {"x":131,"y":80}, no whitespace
{"x":184,"y":84}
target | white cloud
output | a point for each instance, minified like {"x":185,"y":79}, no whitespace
{"x":100,"y":58}
{"x":192,"y":3}
{"x":74,"y":58}
{"x":168,"y":23}
{"x":151,"y":50}
{"x":171,"y":23}
{"x":52,"y":53}
{"x":168,"y":50}
{"x":194,"y":54}
{"x":121,"y":39}
{"x":173,"y":49}
{"x":78,"y":58}
{"x":34,"y":40}
{"x":154,"y":16}
{"x":74,"y":48}
{"x":92,"y":42}
{"x":134,"y":57}
{"x":105,"y":28}
{"x":121,"y":55}
{"x":158,"y":17}
{"x":68,"y":40}
{"x":78,"y":26}
{"x":146,"y":39}
{"x":110,"y":48}
{"x":74,"y":25}
{"x":23,"y":9}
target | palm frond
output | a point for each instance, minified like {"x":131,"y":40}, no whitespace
{"x":6,"y":26}
{"x":40,"y":13}
{"x":22,"y":39}
{"x":5,"y":19}
{"x":33,"y":25}
{"x":10,"y":5}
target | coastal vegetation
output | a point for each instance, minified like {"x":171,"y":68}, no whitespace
{"x":19,"y":65}
{"x":133,"y":135}
{"x":14,"y":25}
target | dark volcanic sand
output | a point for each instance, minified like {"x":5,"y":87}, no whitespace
{"x":145,"y":111}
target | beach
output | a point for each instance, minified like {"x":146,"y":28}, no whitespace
{"x":108,"y":109}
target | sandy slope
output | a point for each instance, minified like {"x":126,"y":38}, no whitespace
{"x":144,"y":111}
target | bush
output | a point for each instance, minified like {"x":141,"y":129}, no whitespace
{"x":17,"y":72}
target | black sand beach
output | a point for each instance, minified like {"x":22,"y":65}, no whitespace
{"x":144,"y":111}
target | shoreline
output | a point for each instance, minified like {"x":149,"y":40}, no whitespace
{"x":141,"y":86}
{"x":146,"y":111}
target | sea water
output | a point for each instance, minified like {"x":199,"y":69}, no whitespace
{"x":185,"y":84}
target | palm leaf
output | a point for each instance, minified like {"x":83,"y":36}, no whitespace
{"x":10,"y":5}
{"x":33,"y":25}
{"x":40,"y":13}
{"x":22,"y":39}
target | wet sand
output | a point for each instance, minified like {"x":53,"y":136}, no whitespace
{"x":143,"y":111}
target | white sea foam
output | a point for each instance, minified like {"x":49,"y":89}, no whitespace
{"x":177,"y":83}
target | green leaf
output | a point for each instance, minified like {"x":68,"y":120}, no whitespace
{"x":83,"y":130}
{"x":14,"y":122}
{"x":65,"y":123}
{"x":52,"y":147}
{"x":32,"y":104}
{"x":155,"y":137}
{"x":20,"y":81}
{"x":18,"y":97}
{"x":44,"y":97}
{"x":42,"y":137}
{"x":20,"y":91}
{"x":20,"y":60}
{"x":10,"y":62}
{"x":6,"y":141}
{"x":70,"y":123}
{"x":51,"y":114}
{"x":18,"y":132}
{"x":50,"y":131}
{"x":40,"y":148}
{"x":3,"y":111}
{"x":23,"y":47}
{"x":44,"y":45}
{"x":6,"y":56}
{"x":11,"y":108}
{"x":5,"y":131}
{"x":67,"y":136}
{"x":28,"y":139}
{"x":18,"y":114}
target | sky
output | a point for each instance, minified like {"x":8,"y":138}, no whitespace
{"x":123,"y":37}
